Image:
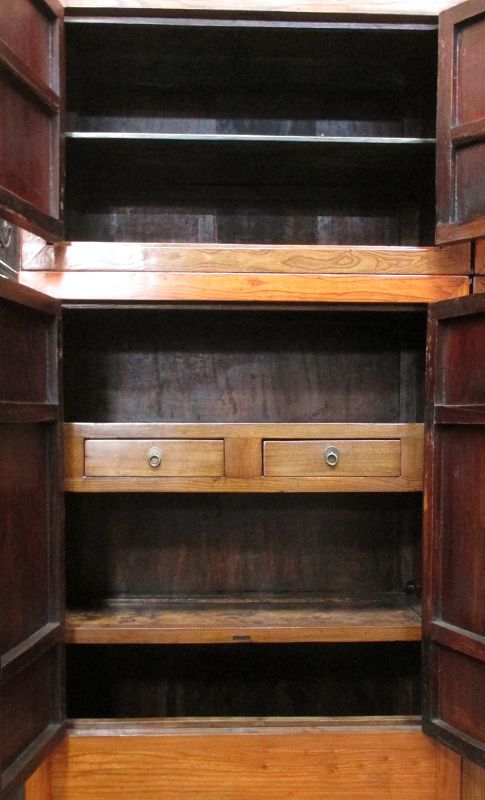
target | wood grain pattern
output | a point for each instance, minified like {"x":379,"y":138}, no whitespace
{"x":132,"y":257}
{"x":397,"y":475}
{"x":425,"y":7}
{"x":38,"y":787}
{"x":479,"y":284}
{"x":317,"y":765}
{"x":449,"y":774}
{"x":356,"y":458}
{"x":216,"y":621}
{"x":242,"y":365}
{"x":263,"y":547}
{"x":250,"y":287}
{"x":243,"y":457}
{"x":129,"y":458}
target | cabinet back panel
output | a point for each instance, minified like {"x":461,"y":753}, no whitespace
{"x":200,"y":366}
{"x":250,"y":192}
{"x":243,"y":680}
{"x":228,"y":545}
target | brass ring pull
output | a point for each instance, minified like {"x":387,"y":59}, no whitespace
{"x":331,"y":456}
{"x":154,"y":457}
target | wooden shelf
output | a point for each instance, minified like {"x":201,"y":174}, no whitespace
{"x":212,"y":620}
{"x":126,"y":136}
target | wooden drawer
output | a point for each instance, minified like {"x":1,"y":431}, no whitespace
{"x":129,"y":458}
{"x":354,"y":458}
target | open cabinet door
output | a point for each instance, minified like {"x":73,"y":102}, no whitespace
{"x":31,"y":52}
{"x":461,"y":123}
{"x":32,"y":715}
{"x":454,"y":594}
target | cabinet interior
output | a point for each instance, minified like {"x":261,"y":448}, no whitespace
{"x":251,"y":586}
{"x":250,"y":131}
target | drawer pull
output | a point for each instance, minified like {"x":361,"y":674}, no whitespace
{"x":154,"y":457}
{"x":331,"y":456}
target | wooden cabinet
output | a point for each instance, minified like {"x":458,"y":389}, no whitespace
{"x":249,"y":223}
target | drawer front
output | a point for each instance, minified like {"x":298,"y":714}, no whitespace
{"x":156,"y":458}
{"x":333,"y":458}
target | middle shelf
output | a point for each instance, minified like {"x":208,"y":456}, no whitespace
{"x":252,"y":619}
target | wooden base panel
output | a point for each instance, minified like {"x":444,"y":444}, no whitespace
{"x":249,"y":620}
{"x":245,"y":287}
{"x":308,"y":760}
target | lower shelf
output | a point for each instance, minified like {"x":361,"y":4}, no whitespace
{"x":385,"y":617}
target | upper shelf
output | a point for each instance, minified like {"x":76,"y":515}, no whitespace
{"x":132,"y":136}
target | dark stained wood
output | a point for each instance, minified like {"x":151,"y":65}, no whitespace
{"x":454,"y":600}
{"x":28,"y":80}
{"x":27,"y":31}
{"x":27,"y":412}
{"x":460,"y":122}
{"x":471,"y":644}
{"x":460,"y":700}
{"x":31,"y":712}
{"x":337,"y":545}
{"x":30,"y":103}
{"x":243,"y":680}
{"x":249,"y":192}
{"x":246,"y":367}
{"x":461,"y":379}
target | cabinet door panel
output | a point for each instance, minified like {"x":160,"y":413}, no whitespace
{"x":30,"y":112}
{"x":461,"y":123}
{"x":31,"y":601}
{"x":454,"y":594}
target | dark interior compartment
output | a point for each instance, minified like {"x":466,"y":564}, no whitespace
{"x":149,"y":365}
{"x":243,"y":680}
{"x":183,"y":546}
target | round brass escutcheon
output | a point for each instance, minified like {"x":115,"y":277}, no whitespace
{"x":154,"y":457}
{"x":331,"y":456}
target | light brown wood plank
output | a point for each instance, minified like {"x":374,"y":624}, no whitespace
{"x":243,"y":457}
{"x":212,"y":620}
{"x":309,"y":765}
{"x":218,"y":430}
{"x":358,"y":458}
{"x":38,"y":787}
{"x":479,"y":284}
{"x":333,"y":259}
{"x":448,"y":773}
{"x":248,"y":287}
{"x":130,"y":458}
{"x":425,"y":7}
